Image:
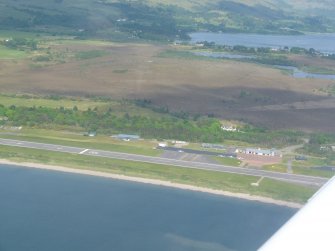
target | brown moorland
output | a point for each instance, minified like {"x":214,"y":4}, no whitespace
{"x":227,"y":89}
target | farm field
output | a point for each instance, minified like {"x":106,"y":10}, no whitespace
{"x":227,"y":89}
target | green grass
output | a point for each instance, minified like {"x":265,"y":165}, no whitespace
{"x":30,"y":101}
{"x":201,"y":178}
{"x":302,"y":167}
{"x":276,"y":167}
{"x":311,"y":161}
{"x":318,"y":70}
{"x":313,"y":172}
{"x":7,"y":34}
{"x":118,"y":107}
{"x":6,"y":53}
{"x":142,"y":147}
{"x":227,"y":161}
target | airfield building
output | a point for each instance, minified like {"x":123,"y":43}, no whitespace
{"x":126,"y":137}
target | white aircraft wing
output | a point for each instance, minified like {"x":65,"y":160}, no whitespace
{"x":312,"y":228}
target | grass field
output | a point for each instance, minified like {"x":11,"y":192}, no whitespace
{"x":224,"y":88}
{"x":30,"y":101}
{"x":215,"y":180}
{"x":118,"y":107}
{"x":6,"y":53}
{"x":302,"y":167}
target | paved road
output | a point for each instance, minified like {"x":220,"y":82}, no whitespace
{"x":301,"y":179}
{"x":202,"y":152}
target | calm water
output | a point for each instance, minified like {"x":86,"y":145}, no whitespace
{"x":321,"y":42}
{"x":297,"y":73}
{"x":45,"y":210}
{"x":301,"y":74}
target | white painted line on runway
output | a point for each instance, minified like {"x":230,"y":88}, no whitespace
{"x":82,"y":152}
{"x":164,"y":161}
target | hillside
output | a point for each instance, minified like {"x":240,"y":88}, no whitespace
{"x":260,"y":16}
{"x":167,"y":19}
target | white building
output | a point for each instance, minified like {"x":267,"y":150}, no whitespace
{"x":260,"y":152}
{"x":229,"y":128}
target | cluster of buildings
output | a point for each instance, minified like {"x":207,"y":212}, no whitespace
{"x":262,"y":152}
{"x":213,"y":146}
{"x":229,"y":128}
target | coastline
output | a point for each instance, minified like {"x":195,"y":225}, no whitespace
{"x":152,"y":182}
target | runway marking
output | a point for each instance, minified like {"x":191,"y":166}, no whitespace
{"x":256,"y":184}
{"x":317,"y":181}
{"x":82,"y":152}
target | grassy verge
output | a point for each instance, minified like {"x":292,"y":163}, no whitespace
{"x":306,"y":167}
{"x":201,"y":178}
{"x":227,"y":161}
{"x":300,"y":169}
{"x":313,"y":172}
{"x":281,"y":167}
{"x":143,"y":147}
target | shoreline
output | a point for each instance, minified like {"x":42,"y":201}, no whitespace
{"x":152,"y":182}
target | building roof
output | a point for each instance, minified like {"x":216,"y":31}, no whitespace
{"x":127,"y":136}
{"x":262,"y":151}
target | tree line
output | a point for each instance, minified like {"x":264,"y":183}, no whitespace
{"x":105,"y":121}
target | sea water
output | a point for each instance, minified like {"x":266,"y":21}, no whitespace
{"x":321,"y":41}
{"x":47,"y":210}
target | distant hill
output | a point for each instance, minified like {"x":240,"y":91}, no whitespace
{"x":166,"y":19}
{"x":260,"y":16}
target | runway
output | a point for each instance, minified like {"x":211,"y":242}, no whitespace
{"x":293,"y":178}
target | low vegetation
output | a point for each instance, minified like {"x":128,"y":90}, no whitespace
{"x":262,"y":55}
{"x":6,"y":53}
{"x":51,"y":101}
{"x":161,"y":124}
{"x":90,"y":54}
